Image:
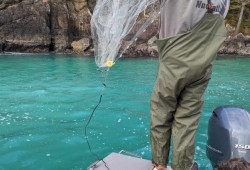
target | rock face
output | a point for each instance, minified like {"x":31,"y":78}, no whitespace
{"x":81,"y":45}
{"x":238,"y":44}
{"x":64,"y":26}
{"x":43,"y":25}
{"x":235,"y":44}
{"x":145,"y":44}
{"x":24,"y":26}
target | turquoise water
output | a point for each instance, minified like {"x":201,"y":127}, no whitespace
{"x":46,"y":100}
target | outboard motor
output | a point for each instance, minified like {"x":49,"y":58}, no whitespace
{"x":228,"y":135}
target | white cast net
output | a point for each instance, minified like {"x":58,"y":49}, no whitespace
{"x":111,"y":21}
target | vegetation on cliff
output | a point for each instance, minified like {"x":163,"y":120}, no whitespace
{"x":239,"y":14}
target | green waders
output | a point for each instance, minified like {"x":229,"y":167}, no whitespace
{"x":185,"y":64}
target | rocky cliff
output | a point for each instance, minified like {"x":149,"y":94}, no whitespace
{"x":235,"y":44}
{"x":44,"y":25}
{"x":63,"y":26}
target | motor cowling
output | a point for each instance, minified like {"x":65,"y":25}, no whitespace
{"x":228,"y":134}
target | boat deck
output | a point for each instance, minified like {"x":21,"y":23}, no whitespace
{"x":119,"y":161}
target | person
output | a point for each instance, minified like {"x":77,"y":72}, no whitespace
{"x":191,"y":33}
{"x":234,"y":164}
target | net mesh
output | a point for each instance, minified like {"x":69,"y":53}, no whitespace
{"x":111,"y":21}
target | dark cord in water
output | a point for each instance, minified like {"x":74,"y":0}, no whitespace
{"x":89,"y":120}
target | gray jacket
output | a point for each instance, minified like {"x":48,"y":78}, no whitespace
{"x":179,"y":16}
